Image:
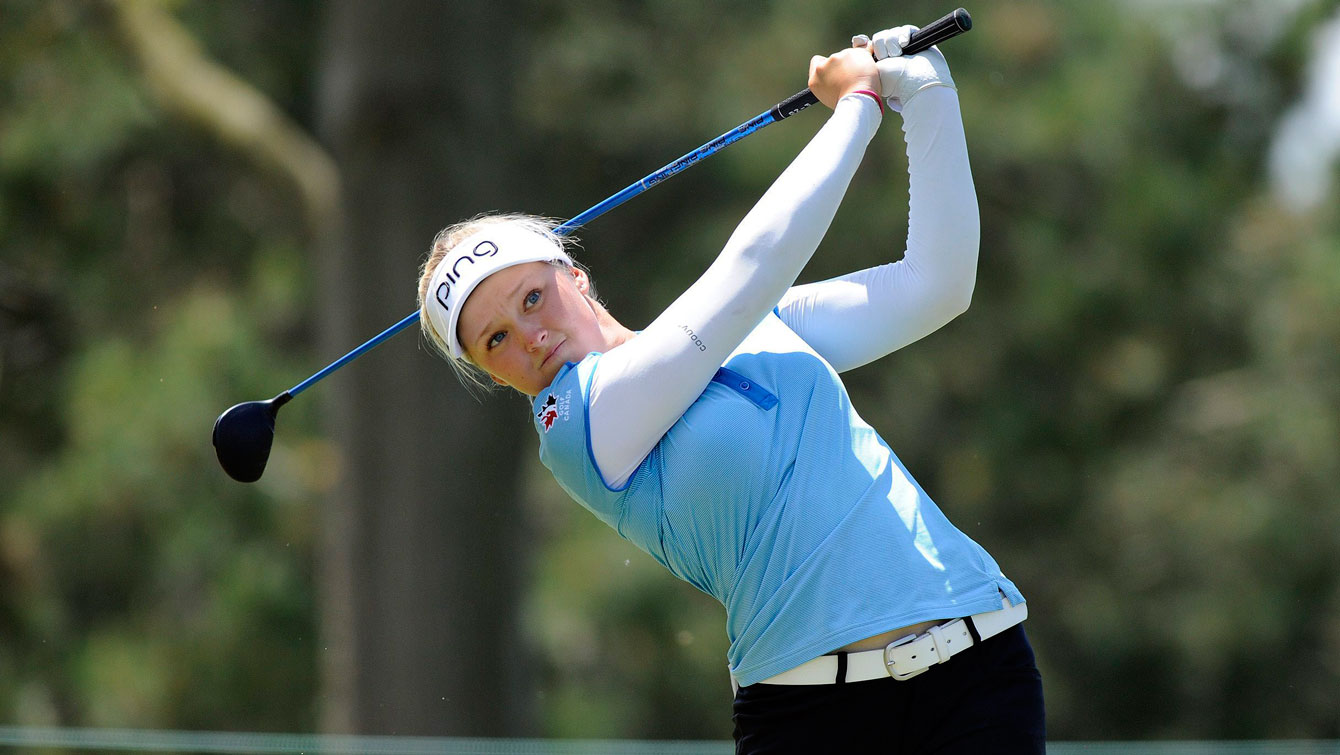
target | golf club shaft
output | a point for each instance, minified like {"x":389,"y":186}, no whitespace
{"x":951,"y":25}
{"x":367,"y":346}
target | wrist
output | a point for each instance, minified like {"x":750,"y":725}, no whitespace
{"x":925,"y":86}
{"x":872,"y":95}
{"x":930,"y":99}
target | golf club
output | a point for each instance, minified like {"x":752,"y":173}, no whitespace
{"x":244,"y":433}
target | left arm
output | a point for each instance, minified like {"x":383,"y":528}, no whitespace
{"x":857,"y":318}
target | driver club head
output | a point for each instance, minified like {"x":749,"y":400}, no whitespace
{"x":243,"y":435}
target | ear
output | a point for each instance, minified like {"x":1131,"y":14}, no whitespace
{"x":580,"y":278}
{"x":497,"y":380}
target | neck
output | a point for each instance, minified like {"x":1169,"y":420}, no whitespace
{"x":613,"y":331}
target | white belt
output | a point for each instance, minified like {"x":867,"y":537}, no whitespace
{"x":908,"y":657}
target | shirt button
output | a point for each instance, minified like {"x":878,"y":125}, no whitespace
{"x":744,"y":386}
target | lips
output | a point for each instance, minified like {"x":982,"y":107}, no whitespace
{"x":552,"y":352}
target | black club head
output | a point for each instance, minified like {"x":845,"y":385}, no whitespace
{"x":243,"y":436}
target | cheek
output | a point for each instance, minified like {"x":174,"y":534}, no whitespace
{"x":497,"y":365}
{"x":581,"y":310}
{"x":493,"y":361}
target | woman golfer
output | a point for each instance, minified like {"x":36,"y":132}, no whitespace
{"x":721,"y":441}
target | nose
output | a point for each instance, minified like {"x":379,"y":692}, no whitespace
{"x":536,"y":336}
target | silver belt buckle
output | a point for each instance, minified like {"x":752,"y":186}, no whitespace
{"x":889,"y":663}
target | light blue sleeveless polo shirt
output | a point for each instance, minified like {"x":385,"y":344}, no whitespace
{"x":771,"y":495}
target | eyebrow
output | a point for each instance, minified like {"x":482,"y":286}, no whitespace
{"x":488,"y":326}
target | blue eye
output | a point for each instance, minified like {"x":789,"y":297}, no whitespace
{"x":495,"y":339}
{"x":532,"y":297}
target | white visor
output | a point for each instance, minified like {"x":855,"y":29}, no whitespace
{"x":477,"y":257}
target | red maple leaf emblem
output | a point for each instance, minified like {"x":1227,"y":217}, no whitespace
{"x":548,"y":413}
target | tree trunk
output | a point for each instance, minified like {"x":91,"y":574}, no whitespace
{"x":421,"y":569}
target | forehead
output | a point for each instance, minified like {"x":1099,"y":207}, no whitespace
{"x":491,"y":292}
{"x":500,"y":283}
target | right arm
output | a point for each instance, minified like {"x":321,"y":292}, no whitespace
{"x":642,"y":387}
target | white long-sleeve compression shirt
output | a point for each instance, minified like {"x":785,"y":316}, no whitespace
{"x":642,"y":387}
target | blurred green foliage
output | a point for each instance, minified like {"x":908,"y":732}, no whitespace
{"x":146,"y":281}
{"x":1139,"y":416}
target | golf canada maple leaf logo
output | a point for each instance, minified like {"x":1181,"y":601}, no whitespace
{"x":548,"y":412}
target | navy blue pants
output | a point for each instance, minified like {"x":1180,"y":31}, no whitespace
{"x":987,"y":699}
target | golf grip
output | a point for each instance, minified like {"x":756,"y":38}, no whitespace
{"x":951,"y":25}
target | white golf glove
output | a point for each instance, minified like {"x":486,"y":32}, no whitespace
{"x":901,"y":78}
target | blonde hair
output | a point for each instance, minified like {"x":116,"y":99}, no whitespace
{"x":470,"y":374}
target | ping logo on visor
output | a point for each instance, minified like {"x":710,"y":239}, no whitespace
{"x":484,"y":248}
{"x":482,"y":254}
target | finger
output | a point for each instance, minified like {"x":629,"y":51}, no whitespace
{"x":882,"y":47}
{"x":889,"y":43}
{"x":815,"y":63}
{"x":861,"y":41}
{"x":904,"y":37}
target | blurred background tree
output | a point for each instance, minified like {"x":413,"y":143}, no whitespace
{"x":425,"y":540}
{"x":1138,"y":416}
